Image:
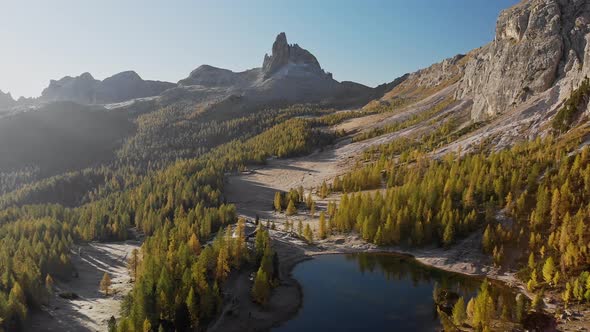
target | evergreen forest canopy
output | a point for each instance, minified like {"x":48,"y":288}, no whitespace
{"x":542,"y":187}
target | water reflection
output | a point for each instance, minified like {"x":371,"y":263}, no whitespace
{"x":380,"y":292}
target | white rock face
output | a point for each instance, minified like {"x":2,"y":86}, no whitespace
{"x":538,"y":44}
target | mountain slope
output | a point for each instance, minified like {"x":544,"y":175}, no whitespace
{"x":60,"y":136}
{"x":518,"y":82}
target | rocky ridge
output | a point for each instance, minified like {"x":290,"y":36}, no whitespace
{"x":290,"y":74}
{"x":539,"y":44}
{"x":541,"y":52}
{"x":85,"y":89}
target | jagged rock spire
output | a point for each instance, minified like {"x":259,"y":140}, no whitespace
{"x":283,"y":54}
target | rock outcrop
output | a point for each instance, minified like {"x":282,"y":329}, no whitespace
{"x":284,"y":55}
{"x":538,"y":44}
{"x":540,"y":47}
{"x":290,"y":74}
{"x":84,"y":89}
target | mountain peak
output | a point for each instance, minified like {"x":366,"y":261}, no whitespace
{"x":87,"y":76}
{"x":6,"y":99}
{"x":284,"y":54}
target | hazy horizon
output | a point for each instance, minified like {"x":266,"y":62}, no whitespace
{"x":370,"y":42}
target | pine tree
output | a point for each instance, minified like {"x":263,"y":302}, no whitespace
{"x":556,"y":278}
{"x":309,"y":200}
{"x":291,"y":209}
{"x":531,"y":262}
{"x":105,"y":284}
{"x":194,"y":244}
{"x":471,"y":309}
{"x":322,"y":226}
{"x":324,"y":190}
{"x":193,"y":309}
{"x":449,"y":234}
{"x":300,"y":228}
{"x":17,"y":301}
{"x":459,"y":312}
{"x":112,"y":324}
{"x":308,"y":234}
{"x":261,"y":240}
{"x":567,"y":294}
{"x":278,"y":202}
{"x":133,"y":263}
{"x":555,"y":208}
{"x":446,"y":321}
{"x":520,"y":307}
{"x":147,"y":325}
{"x":165,"y":294}
{"x":240,"y":247}
{"x":261,"y":288}
{"x":548,"y":270}
{"x":222,"y":268}
{"x":266,"y":264}
{"x":49,"y":284}
{"x":483,"y":310}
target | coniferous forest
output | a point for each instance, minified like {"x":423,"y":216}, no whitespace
{"x":193,"y":206}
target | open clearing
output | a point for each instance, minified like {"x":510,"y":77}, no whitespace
{"x":92,"y":309}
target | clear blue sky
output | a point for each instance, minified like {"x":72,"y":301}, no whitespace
{"x":369,"y":41}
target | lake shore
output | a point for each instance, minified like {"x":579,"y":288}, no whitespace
{"x":241,"y":314}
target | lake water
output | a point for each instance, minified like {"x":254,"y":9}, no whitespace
{"x":371,"y":292}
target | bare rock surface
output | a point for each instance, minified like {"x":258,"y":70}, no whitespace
{"x":537,"y":44}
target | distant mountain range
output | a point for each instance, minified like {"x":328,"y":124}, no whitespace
{"x":84,"y":89}
{"x":290,"y":74}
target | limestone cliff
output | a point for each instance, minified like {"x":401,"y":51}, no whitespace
{"x":538,"y":44}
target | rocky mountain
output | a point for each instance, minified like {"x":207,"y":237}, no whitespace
{"x":539,"y":44}
{"x":6,"y":100}
{"x":284,"y":54}
{"x":290,"y":74}
{"x":84,"y":89}
{"x":540,"y":54}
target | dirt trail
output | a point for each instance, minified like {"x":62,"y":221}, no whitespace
{"x":91,"y":310}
